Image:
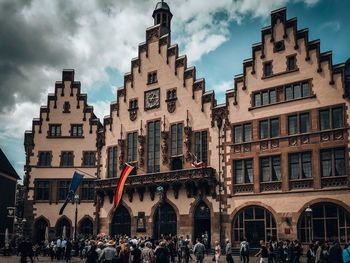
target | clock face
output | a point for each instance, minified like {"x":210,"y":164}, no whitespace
{"x":151,"y":99}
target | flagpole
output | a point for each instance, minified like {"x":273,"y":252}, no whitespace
{"x":86,"y":173}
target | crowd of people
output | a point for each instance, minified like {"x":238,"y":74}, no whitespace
{"x":168,"y":249}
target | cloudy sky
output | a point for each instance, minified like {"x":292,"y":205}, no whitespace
{"x":98,"y":38}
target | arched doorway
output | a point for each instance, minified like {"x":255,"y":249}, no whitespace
{"x":86,"y":227}
{"x":121,"y":222}
{"x":328,"y":222}
{"x":60,"y":225}
{"x":164,"y":222}
{"x":39,"y":229}
{"x":202,"y":223}
{"x":255,"y":223}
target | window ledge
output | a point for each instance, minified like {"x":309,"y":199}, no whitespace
{"x":65,"y":137}
{"x":150,"y":83}
{"x":280,"y":73}
{"x":280,"y":102}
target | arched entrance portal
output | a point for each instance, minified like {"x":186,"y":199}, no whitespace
{"x":328,"y":222}
{"x":121,"y":222}
{"x":255,"y":223}
{"x":164,"y":221}
{"x":202,"y":223}
{"x":60,"y":226}
{"x":86,"y":227}
{"x":39,"y":229}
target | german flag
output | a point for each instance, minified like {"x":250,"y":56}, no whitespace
{"x":119,"y":193}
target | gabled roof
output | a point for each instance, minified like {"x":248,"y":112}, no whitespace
{"x":6,"y":167}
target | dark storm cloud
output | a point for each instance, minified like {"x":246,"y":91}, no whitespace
{"x":27,"y":46}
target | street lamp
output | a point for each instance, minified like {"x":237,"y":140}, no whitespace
{"x":308,"y":212}
{"x":76,"y":199}
{"x":219,"y":124}
{"x":160,"y":191}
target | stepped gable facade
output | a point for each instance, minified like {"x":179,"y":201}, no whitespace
{"x":62,"y":139}
{"x":283,"y":142}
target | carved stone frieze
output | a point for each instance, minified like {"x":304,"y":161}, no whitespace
{"x":220,"y":112}
{"x":334,"y":181}
{"x":264,"y":145}
{"x":293,"y":141}
{"x":325,"y":137}
{"x":141,"y":150}
{"x":305,"y":139}
{"x":165,"y":147}
{"x":243,"y":188}
{"x":274,"y":144}
{"x":171,"y":105}
{"x":271,"y":186}
{"x":247,"y":147}
{"x":301,"y":184}
{"x":133,"y":114}
{"x":338,"y":135}
{"x":188,"y":143}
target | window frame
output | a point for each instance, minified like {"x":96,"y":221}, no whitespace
{"x":300,"y":165}
{"x":62,"y":196}
{"x":37,"y":189}
{"x":265,"y":67}
{"x":152,"y":77}
{"x":132,"y":156}
{"x":112,"y":161}
{"x":48,"y":161}
{"x":298,"y":122}
{"x":62,"y":164}
{"x":270,"y":157}
{"x":90,"y":153}
{"x":294,"y":56}
{"x":333,"y":162}
{"x":76,"y":126}
{"x":56,"y":133}
{"x":203,"y":147}
{"x":269,"y":129}
{"x":330,"y":116}
{"x":155,"y":166}
{"x":243,"y":171}
{"x":89,"y":191}
{"x":178,"y":141}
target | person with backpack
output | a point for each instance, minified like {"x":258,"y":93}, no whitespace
{"x":263,"y":253}
{"x":199,"y":250}
{"x":244,"y":251}
{"x":346,"y":254}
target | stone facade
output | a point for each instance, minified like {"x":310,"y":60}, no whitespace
{"x":279,"y":152}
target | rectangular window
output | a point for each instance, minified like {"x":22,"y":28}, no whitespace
{"x":304,"y":123}
{"x":265,"y":98}
{"x":87,"y":191}
{"x":89,"y":159}
{"x":238,"y":134}
{"x":267,"y":69}
{"x":63,"y":189}
{"x":153,"y":147}
{"x":152,"y":77}
{"x":264,"y":130}
{"x":272,"y":96}
{"x":201,"y":146}
{"x":247,"y":132}
{"x":44,"y":159}
{"x":294,"y":166}
{"x":288,"y":93}
{"x":257,"y":99}
{"x":306,"y":165}
{"x":324,"y":119}
{"x":176,"y":139}
{"x":112,"y":162}
{"x":42,"y":190}
{"x":305,"y":89}
{"x":275,"y":127}
{"x":67,"y":159}
{"x":76,"y":130}
{"x":132,"y":147}
{"x":292,"y":125}
{"x":55,"y":130}
{"x":291,"y":63}
{"x":300,"y":166}
{"x":333,"y":162}
{"x":243,"y":171}
{"x":296,"y":91}
{"x":337,"y":117}
{"x":270,"y":168}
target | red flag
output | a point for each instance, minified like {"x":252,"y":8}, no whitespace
{"x":195,"y":163}
{"x":119,"y":193}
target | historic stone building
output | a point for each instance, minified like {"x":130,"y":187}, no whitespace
{"x":283,"y":146}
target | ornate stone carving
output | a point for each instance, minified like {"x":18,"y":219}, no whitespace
{"x":247,"y":147}
{"x":325,"y":137}
{"x":220,"y":112}
{"x":244,"y":188}
{"x":165,"y":147}
{"x":334,"y":181}
{"x":171,"y":105}
{"x":133,"y":114}
{"x":301,"y":184}
{"x":274,"y":144}
{"x":264,"y":145}
{"x":338,"y":135}
{"x":141,"y":150}
{"x":271,"y":186}
{"x":293,"y":141}
{"x":305,"y":139}
{"x":278,"y":46}
{"x":237,"y":148}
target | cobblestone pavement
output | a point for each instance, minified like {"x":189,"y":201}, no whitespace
{"x":207,"y":259}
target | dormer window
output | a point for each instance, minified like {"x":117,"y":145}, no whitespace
{"x":152,"y":78}
{"x":291,"y":63}
{"x":267,"y":69}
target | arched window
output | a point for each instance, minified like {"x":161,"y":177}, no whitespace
{"x":327,"y":221}
{"x":40,"y":229}
{"x":86,"y":227}
{"x":165,"y":221}
{"x":61,"y":223}
{"x":121,"y":222}
{"x":255,"y":223}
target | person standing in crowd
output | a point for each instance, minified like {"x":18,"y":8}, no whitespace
{"x":25,"y":249}
{"x":135,"y":253}
{"x":217,"y":252}
{"x":263,"y":253}
{"x":68,"y":250}
{"x":280,"y":256}
{"x":318,"y":251}
{"x":346,"y":253}
{"x":147,"y":253}
{"x":92,"y":256}
{"x":109,"y":252}
{"x":335,"y":253}
{"x":161,"y":253}
{"x":229,"y":258}
{"x":296,"y":251}
{"x":59,"y":248}
{"x":199,"y":250}
{"x":324,"y":256}
{"x":244,"y":251}
{"x":310,"y":254}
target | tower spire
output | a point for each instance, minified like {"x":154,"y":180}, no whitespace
{"x":162,"y":16}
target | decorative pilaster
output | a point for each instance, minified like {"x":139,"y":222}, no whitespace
{"x":165,"y":147}
{"x":141,"y":150}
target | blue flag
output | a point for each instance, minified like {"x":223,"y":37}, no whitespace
{"x":72,"y":188}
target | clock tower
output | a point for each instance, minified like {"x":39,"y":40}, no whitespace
{"x":162,"y":16}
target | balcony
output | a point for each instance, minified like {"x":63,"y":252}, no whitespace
{"x":197,"y":181}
